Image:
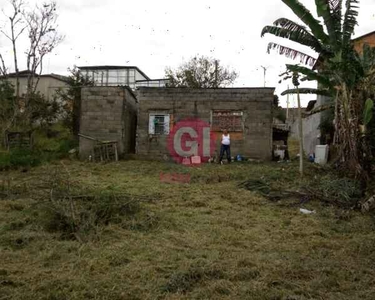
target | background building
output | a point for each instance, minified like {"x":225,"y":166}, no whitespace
{"x":130,"y":76}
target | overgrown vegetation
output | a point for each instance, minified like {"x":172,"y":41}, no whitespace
{"x":341,"y":73}
{"x":134,"y":237}
{"x":71,"y":98}
{"x":38,"y":26}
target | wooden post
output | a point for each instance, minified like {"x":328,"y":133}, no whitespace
{"x":300,"y":132}
{"x":116,"y":154}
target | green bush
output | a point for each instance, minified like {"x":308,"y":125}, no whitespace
{"x":19,"y":158}
{"x":24,"y":158}
{"x":54,"y":142}
{"x":4,"y":161}
{"x":77,"y":218}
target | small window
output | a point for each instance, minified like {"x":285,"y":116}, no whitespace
{"x":159,"y":124}
{"x":227,"y":119}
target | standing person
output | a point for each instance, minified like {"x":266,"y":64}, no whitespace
{"x":225,"y":146}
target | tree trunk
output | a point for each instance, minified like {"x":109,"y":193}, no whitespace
{"x":15,"y":62}
{"x":347,"y":134}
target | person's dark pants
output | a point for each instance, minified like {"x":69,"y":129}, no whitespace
{"x":225,"y":148}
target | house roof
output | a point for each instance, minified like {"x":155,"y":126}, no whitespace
{"x":26,"y":73}
{"x":363,"y":36}
{"x":147,"y":80}
{"x":106,"y":67}
{"x":316,"y":65}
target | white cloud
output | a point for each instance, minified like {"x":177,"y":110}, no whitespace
{"x":155,"y":34}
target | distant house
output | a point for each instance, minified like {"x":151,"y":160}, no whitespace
{"x":48,"y":84}
{"x":312,"y":136}
{"x":130,"y":76}
{"x":368,"y":39}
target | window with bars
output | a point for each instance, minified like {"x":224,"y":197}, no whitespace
{"x":159,"y":123}
{"x":232,"y":120}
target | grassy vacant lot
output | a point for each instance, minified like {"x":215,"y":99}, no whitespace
{"x":208,"y":239}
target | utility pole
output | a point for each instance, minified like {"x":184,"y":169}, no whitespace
{"x":300,"y":131}
{"x":287,"y":105}
{"x":264,"y":74}
{"x":216,"y":75}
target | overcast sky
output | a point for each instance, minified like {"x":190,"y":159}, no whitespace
{"x":156,"y":34}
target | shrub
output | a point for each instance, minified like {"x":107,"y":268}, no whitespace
{"x":24,"y":158}
{"x":55,"y":139}
{"x":77,"y":217}
{"x":344,"y":192}
{"x":4,"y":161}
{"x":19,"y":158}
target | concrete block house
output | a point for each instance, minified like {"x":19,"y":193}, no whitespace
{"x":138,"y":113}
{"x":245,"y":112}
{"x":107,"y":114}
{"x":109,"y":108}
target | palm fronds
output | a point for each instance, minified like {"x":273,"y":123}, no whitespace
{"x":350,"y":20}
{"x":310,"y":75}
{"x":322,"y":92}
{"x":295,"y":33}
{"x":306,"y":17}
{"x":330,"y":11}
{"x":320,"y":108}
{"x":292,"y":53}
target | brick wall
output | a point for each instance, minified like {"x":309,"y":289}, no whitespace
{"x":107,"y":114}
{"x":366,"y":39}
{"x":256,"y":104}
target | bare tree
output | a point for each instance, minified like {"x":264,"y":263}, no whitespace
{"x":3,"y":69}
{"x":39,"y":27}
{"x":17,"y":27}
{"x":43,"y":38}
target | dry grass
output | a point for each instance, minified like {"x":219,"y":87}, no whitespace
{"x":204,"y":240}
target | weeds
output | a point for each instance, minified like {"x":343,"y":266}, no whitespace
{"x":342,"y":192}
{"x":78,"y":218}
{"x":19,"y":158}
{"x":205,"y":240}
{"x":183,"y":282}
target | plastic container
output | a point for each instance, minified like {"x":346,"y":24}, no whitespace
{"x":321,"y":154}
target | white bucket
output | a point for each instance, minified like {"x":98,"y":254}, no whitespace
{"x":321,"y":154}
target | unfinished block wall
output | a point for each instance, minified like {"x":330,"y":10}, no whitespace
{"x":107,"y":114}
{"x":254,"y":141}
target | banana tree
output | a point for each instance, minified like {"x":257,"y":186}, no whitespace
{"x":338,"y":69}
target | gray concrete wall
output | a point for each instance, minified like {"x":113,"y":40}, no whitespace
{"x":256,"y":104}
{"x":107,"y":114}
{"x":310,"y":126}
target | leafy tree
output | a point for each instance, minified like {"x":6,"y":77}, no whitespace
{"x":201,"y":72}
{"x":340,"y":72}
{"x":43,"y":112}
{"x":71,"y":98}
